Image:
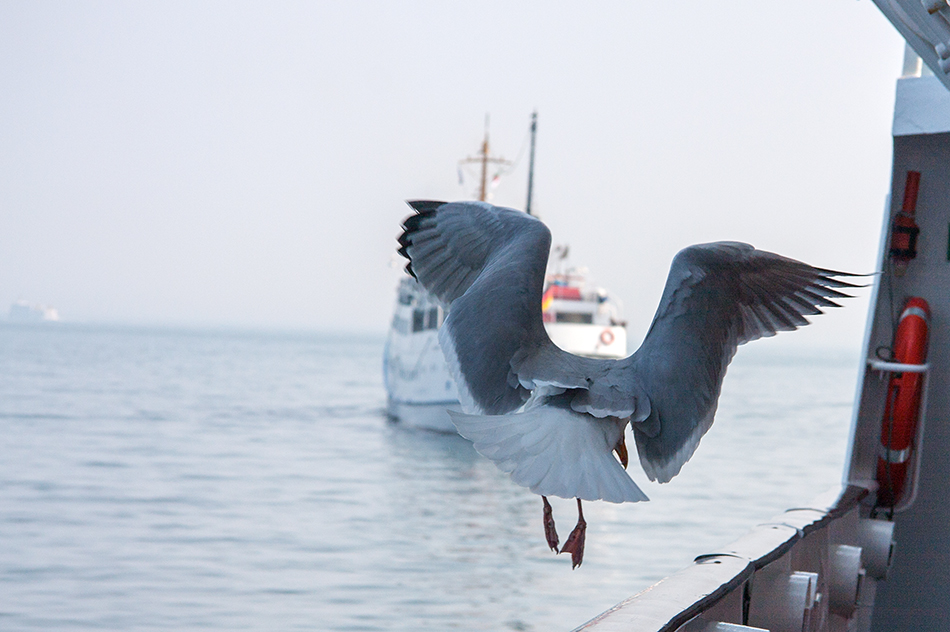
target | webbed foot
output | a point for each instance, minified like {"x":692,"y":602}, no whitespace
{"x":575,"y":541}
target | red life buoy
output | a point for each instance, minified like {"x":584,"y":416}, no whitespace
{"x":606,"y":337}
{"x":902,"y":407}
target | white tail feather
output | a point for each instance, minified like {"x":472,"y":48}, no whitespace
{"x":554,"y":452}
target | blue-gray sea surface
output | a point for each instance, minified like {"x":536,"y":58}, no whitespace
{"x":189,"y":480}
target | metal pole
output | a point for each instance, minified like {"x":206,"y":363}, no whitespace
{"x":534,"y":132}
{"x":483,"y":193}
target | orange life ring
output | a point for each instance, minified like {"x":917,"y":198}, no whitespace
{"x":606,"y":337}
{"x":902,"y":406}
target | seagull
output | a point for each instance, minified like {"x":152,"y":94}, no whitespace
{"x":554,"y":421}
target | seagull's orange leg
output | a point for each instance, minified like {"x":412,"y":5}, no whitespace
{"x":575,"y":541}
{"x":549,"y":531}
{"x":621,"y":450}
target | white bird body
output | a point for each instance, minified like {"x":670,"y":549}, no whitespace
{"x":552,"y":419}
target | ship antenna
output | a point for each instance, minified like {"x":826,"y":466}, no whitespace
{"x":534,"y":133}
{"x":483,"y":158}
{"x":483,"y":192}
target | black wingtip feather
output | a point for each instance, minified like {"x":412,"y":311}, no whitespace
{"x":421,"y":206}
{"x":411,"y":223}
{"x":403,"y":252}
{"x":423,"y":209}
{"x":828,"y":277}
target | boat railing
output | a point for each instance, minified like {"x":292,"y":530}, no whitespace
{"x":810,"y":568}
{"x":897,"y":367}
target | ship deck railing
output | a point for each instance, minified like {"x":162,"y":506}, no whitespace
{"x":808,"y":569}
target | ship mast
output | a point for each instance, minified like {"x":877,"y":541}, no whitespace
{"x":483,"y":158}
{"x":534,"y":133}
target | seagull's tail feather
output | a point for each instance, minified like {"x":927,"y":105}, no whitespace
{"x":554,"y":452}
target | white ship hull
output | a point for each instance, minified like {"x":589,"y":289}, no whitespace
{"x":602,"y":341}
{"x":424,"y":416}
{"x":419,"y":387}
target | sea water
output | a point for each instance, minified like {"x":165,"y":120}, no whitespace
{"x":209,"y":480}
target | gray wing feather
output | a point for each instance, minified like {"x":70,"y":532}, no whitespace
{"x":717,"y":297}
{"x":487,"y":265}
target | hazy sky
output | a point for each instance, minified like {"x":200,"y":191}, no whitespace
{"x":245,"y":164}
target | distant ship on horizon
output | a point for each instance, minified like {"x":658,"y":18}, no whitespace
{"x":22,"y":311}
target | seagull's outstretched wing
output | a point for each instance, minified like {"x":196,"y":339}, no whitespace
{"x":487,"y":264}
{"x":717,"y":296}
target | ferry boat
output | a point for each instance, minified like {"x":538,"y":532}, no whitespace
{"x":578,"y":316}
{"x":872,"y":554}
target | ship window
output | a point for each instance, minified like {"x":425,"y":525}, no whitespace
{"x":405,"y":298}
{"x":401,"y":325}
{"x":418,"y":320}
{"x":432,"y":319}
{"x":569,"y":317}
